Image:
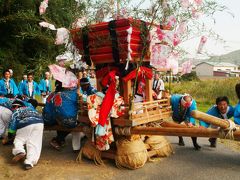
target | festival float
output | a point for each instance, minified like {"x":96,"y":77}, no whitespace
{"x":133,"y":130}
{"x":128,"y":123}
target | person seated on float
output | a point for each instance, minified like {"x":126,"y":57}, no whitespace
{"x":158,"y":86}
{"x":86,"y":89}
{"x":7,"y":85}
{"x":182,"y":105}
{"x":222,"y":110}
{"x":237,"y":108}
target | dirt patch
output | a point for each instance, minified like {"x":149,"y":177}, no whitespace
{"x":233,"y":145}
{"x":54,"y":164}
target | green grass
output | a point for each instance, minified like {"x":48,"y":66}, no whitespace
{"x":205,"y":92}
{"x":203,"y":107}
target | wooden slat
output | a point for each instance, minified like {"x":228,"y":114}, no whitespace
{"x":149,"y":114}
{"x":150,"y":102}
{"x":136,"y":122}
{"x":124,"y":121}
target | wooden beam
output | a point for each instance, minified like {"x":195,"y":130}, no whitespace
{"x":84,"y":129}
{"x":149,"y":91}
{"x":127,"y":87}
{"x":169,"y":131}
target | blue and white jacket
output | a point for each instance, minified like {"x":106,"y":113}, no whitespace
{"x":3,"y":100}
{"x":23,"y":117}
{"x":215,"y":112}
{"x":12,"y":90}
{"x":7,"y":102}
{"x":175,"y":101}
{"x":62,"y":106}
{"x":21,"y":83}
{"x":25,"y":91}
{"x":237,"y":114}
{"x":43,"y":86}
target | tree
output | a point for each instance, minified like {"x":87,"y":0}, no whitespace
{"x":24,"y":45}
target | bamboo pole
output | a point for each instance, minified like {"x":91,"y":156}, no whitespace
{"x":210,"y":119}
{"x":169,"y":131}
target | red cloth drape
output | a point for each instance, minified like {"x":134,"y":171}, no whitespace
{"x":102,"y":72}
{"x":109,"y":97}
{"x":142,"y":70}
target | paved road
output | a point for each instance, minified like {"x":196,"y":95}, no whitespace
{"x":210,"y":164}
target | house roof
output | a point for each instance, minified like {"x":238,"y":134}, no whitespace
{"x":225,"y":64}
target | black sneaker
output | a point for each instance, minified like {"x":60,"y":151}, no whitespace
{"x":213,"y":145}
{"x":181,"y":143}
{"x":197,"y":147}
{"x":27,"y":166}
{"x":213,"y":142}
{"x":76,"y":151}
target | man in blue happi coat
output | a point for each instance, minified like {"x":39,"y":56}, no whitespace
{"x":7,"y":85}
{"x":182,"y":105}
{"x":29,"y":88}
{"x":6,"y":112}
{"x":27,"y":124}
{"x":222,"y":110}
{"x":237,"y":108}
{"x":22,"y":81}
{"x":45,"y":87}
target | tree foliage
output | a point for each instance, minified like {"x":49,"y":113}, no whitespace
{"x":24,"y":45}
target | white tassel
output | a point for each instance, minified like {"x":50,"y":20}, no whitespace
{"x":129,"y":31}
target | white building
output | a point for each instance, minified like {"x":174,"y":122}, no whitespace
{"x":208,"y":69}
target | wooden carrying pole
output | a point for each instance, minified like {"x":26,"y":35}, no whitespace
{"x":169,"y":131}
{"x":84,"y":129}
{"x":172,"y":124}
{"x":210,"y":119}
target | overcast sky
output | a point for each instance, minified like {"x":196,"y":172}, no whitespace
{"x":227,"y":26}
